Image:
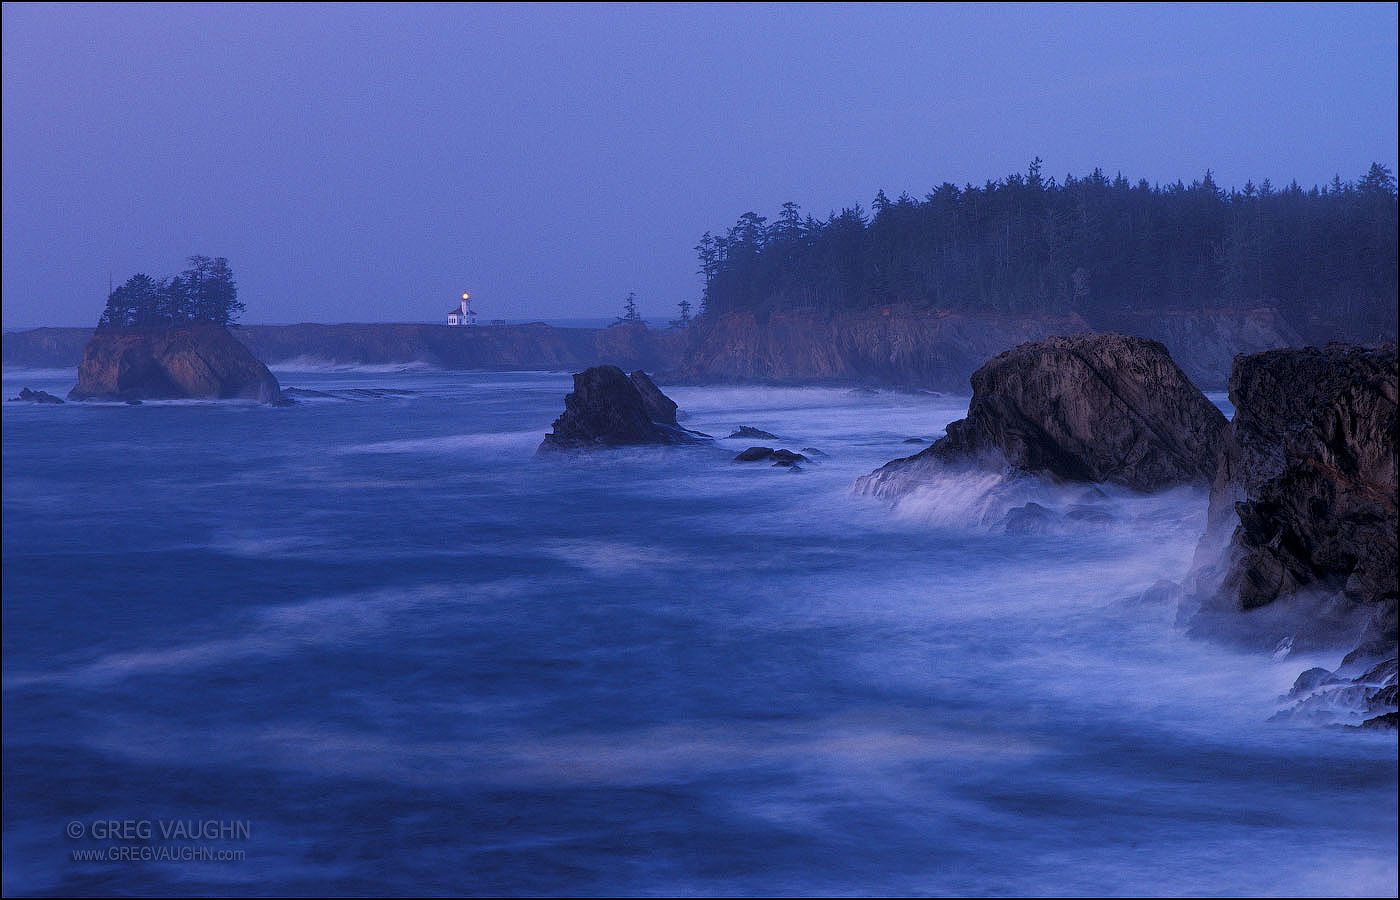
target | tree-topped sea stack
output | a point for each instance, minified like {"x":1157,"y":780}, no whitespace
{"x":609,"y":409}
{"x":169,"y":339}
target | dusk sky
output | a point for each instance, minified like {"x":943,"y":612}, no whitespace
{"x":367,"y":163}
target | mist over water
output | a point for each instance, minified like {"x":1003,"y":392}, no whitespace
{"x":419,"y":659}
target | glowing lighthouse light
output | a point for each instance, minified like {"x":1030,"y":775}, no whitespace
{"x":463,"y":314}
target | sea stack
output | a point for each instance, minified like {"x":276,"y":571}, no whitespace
{"x":607,"y":408}
{"x":198,"y":361}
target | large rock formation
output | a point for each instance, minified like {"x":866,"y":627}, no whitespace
{"x":609,"y":409}
{"x":1093,"y":408}
{"x":197,"y":361}
{"x":1301,"y":533}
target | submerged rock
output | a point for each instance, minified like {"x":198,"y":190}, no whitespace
{"x":1032,"y":518}
{"x":28,"y":396}
{"x":193,"y":362}
{"x":608,"y":409}
{"x":1091,"y":408}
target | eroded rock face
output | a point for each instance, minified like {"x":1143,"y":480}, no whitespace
{"x":1093,"y":408}
{"x":196,"y":362}
{"x":658,"y":406}
{"x":1301,"y":530}
{"x":609,"y":409}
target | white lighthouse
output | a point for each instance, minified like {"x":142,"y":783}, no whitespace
{"x":463,"y":314}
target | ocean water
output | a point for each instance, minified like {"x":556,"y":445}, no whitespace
{"x":388,"y":650}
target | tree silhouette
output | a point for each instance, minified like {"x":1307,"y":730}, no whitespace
{"x":205,"y":292}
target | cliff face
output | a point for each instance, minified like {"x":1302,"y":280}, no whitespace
{"x":1204,"y":343}
{"x":1301,"y":532}
{"x":202,"y":362}
{"x":45,"y":348}
{"x":1093,"y":408}
{"x":535,"y":346}
{"x":937,"y":349}
{"x":895,"y":346}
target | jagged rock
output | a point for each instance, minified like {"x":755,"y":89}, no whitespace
{"x":1301,"y":532}
{"x":1325,"y":697}
{"x":1094,"y":408}
{"x":607,"y":409}
{"x":914,"y":441}
{"x":197,"y":361}
{"x":744,"y":431}
{"x":813,"y":452}
{"x":28,"y":396}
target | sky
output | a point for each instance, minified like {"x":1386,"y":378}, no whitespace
{"x":368,"y":163}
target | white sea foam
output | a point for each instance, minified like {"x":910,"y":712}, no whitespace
{"x":316,"y":365}
{"x":451,"y":443}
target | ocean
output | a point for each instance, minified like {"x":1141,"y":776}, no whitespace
{"x":371,"y":644}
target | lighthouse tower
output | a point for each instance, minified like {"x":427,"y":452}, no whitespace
{"x":463,"y":314}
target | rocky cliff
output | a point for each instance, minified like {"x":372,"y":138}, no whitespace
{"x":937,"y":349}
{"x":1301,"y":533}
{"x":201,"y":361}
{"x":505,"y":347}
{"x":897,"y":346}
{"x":1092,"y":408}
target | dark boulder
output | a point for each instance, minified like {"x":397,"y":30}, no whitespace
{"x":778,"y":457}
{"x":193,"y":362}
{"x":1301,"y":532}
{"x":1093,"y":408}
{"x":28,"y":396}
{"x":607,"y":409}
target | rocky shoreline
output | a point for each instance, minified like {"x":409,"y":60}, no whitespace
{"x":898,"y":347}
{"x":1299,"y":551}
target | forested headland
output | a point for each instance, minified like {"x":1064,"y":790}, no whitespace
{"x":1093,"y":246}
{"x":205,"y":292}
